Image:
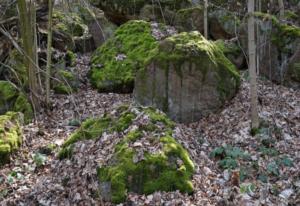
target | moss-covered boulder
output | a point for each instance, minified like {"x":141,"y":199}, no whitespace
{"x":13,"y":100}
{"x":115,"y":63}
{"x":10,"y":135}
{"x":188,"y":77}
{"x":146,"y":158}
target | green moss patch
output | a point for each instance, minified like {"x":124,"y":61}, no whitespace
{"x":10,"y":135}
{"x":94,"y":128}
{"x":157,"y":172}
{"x":115,"y":63}
{"x":70,"y":23}
{"x":13,"y":100}
{"x":23,"y":105}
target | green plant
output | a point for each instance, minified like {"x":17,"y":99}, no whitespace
{"x":273,"y":169}
{"x":39,"y":159}
{"x":247,"y":188}
{"x":268,"y":151}
{"x":285,"y":161}
{"x":228,"y":156}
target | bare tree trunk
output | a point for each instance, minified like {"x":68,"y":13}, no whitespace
{"x":27,"y":24}
{"x":252,"y":65}
{"x":205,"y":19}
{"x":49,"y":46}
{"x":281,"y":9}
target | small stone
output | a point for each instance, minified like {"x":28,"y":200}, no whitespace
{"x":137,"y":144}
{"x":226,"y":175}
{"x":207,"y":171}
{"x":59,"y":142}
{"x":285,"y":194}
{"x":297,"y":184}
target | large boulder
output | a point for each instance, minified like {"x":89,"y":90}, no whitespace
{"x":187,"y":77}
{"x":146,"y":158}
{"x":10,"y":135}
{"x":115,"y":63}
{"x":13,"y":100}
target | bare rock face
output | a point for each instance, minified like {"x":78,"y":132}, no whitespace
{"x":187,"y":77}
{"x":279,"y":53}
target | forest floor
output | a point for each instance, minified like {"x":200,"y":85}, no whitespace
{"x":232,"y":167}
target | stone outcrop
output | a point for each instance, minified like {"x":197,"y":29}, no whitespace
{"x":278,"y":51}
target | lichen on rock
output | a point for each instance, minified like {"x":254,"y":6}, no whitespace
{"x":10,"y":134}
